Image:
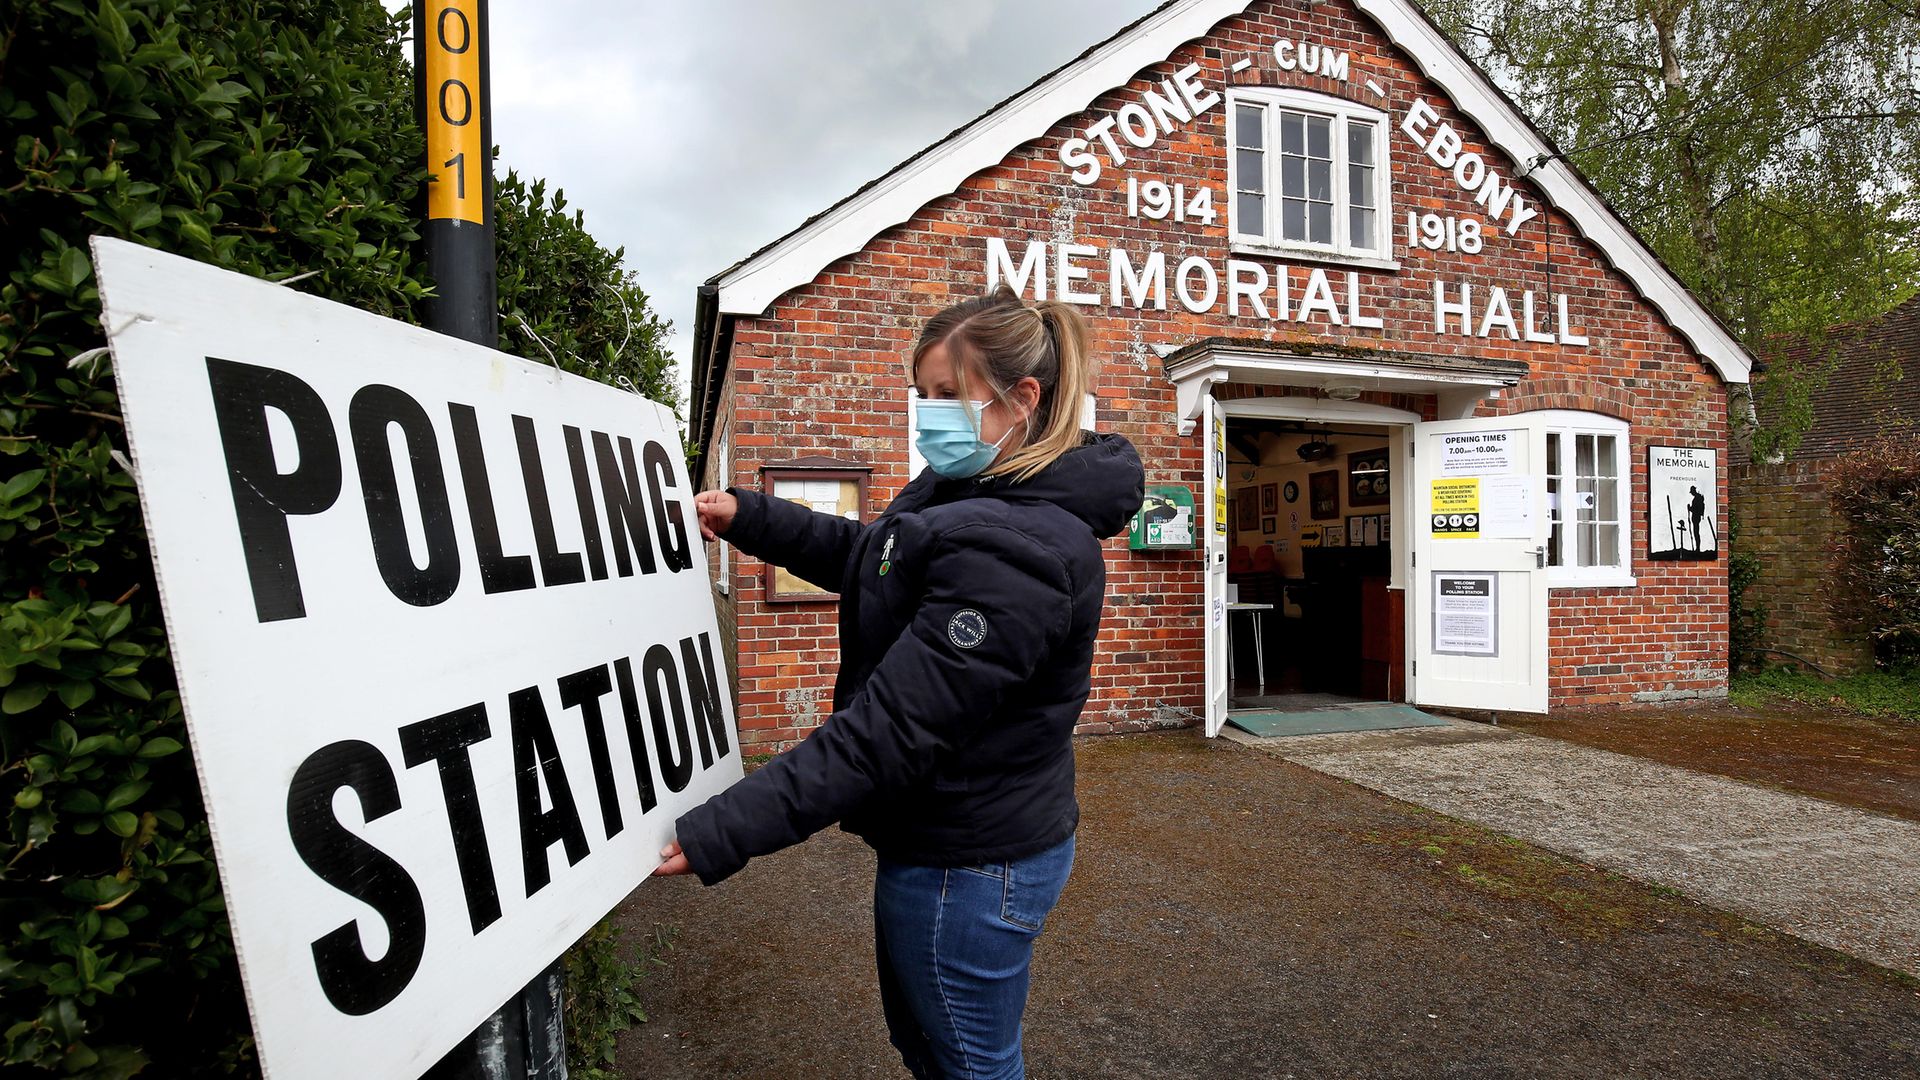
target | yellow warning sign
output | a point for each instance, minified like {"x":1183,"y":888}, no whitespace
{"x":458,"y":158}
{"x":1456,"y":509}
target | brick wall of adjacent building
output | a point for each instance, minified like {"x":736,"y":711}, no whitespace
{"x":1786,"y":522}
{"x":822,"y":373}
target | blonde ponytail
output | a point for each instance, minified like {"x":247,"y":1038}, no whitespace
{"x":999,"y":337}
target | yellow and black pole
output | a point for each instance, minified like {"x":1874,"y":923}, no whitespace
{"x":525,"y":1040}
{"x":451,"y":95}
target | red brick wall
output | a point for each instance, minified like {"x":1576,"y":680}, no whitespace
{"x":822,"y":373}
{"x":1787,"y":522}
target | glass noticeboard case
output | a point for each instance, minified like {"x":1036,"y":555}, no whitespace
{"x":824,"y":486}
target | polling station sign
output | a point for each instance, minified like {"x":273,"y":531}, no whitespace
{"x":445,"y":641}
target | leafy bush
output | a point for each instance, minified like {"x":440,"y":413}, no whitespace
{"x":274,"y":138}
{"x":1876,"y":495}
{"x":600,"y":1002}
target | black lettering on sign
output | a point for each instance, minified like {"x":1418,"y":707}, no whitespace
{"x":668,"y":519}
{"x":583,"y":499}
{"x":676,"y":756}
{"x":625,"y":515}
{"x":636,"y":733}
{"x":556,"y":567}
{"x":373,"y":410}
{"x":583,"y":690}
{"x":534,"y":749}
{"x":703,"y":686}
{"x":354,"y":983}
{"x":264,"y":497}
{"x":498,"y":572}
{"x":444,"y":739}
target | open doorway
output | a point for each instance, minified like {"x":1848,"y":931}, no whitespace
{"x":1315,"y":614}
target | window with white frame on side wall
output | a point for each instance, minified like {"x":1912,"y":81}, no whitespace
{"x":916,"y":463}
{"x":1308,"y":175}
{"x":1589,"y":499}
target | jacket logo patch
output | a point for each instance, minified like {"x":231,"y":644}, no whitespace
{"x":967,"y":628}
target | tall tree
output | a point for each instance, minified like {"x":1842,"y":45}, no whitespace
{"x":1768,"y":150}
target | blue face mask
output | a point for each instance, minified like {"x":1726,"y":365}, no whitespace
{"x":947,"y":434}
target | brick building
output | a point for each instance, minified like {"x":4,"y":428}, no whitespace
{"x":1410,"y":371}
{"x":1786,"y":518}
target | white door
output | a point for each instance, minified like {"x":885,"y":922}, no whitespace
{"x":1479,"y":579}
{"x":1213,"y":546}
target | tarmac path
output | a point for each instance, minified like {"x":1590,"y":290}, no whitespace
{"x":1844,"y":878}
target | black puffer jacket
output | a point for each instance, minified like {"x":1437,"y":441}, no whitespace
{"x":968,"y":613}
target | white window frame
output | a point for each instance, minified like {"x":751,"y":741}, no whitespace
{"x":1268,"y":241}
{"x":1567,"y":424}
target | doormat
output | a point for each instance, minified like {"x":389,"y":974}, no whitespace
{"x":1383,"y":717}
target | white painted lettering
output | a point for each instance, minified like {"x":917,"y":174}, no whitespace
{"x":1136,"y":126}
{"x":1318,"y":296}
{"x":1033,"y":265}
{"x":1442,"y":309}
{"x":1420,"y":116}
{"x":1500,"y":314}
{"x":1102,"y":129}
{"x":1066,"y":273}
{"x":1207,"y":273}
{"x":1199,"y":98}
{"x":1252,"y":289}
{"x":1529,"y":322}
{"x":1077,"y":154}
{"x":1153,"y":275}
{"x":1354,"y":318}
{"x":1567,"y":335}
{"x":1167,"y":106}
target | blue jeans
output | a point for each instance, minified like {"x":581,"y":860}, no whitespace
{"x":953,"y":946}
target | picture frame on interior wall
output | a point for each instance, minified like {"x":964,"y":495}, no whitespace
{"x":1246,"y":510}
{"x":1323,"y":495}
{"x":1368,"y":478}
{"x":1268,"y":526}
{"x":1269,"y":498}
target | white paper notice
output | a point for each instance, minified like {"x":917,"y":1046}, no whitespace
{"x":1506,"y":507}
{"x":1478,"y":453}
{"x":1466,"y":614}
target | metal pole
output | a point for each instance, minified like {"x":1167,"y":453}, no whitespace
{"x":525,"y":1038}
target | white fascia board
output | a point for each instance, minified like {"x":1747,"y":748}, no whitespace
{"x":1474,"y":96}
{"x":752,"y":287}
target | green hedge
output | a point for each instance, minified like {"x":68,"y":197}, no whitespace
{"x":271,"y":137}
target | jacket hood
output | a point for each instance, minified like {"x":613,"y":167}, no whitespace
{"x":1100,"y":482}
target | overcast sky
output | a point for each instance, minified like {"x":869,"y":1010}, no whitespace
{"x":693,"y":133}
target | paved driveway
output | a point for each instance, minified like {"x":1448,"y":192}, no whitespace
{"x":1233,"y":914}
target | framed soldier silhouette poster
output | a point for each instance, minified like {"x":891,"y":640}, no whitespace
{"x":1683,"y":520}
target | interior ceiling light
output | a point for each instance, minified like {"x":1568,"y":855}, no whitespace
{"x":1343,"y":393}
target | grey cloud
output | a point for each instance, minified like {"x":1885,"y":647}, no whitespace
{"x":692,"y":134}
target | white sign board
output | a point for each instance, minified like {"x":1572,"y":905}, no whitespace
{"x":1682,"y":522}
{"x":1466,"y":614}
{"x":445,"y":640}
{"x":1479,"y":453}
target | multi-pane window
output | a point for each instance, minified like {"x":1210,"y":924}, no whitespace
{"x":1586,"y":502}
{"x":1308,"y":173}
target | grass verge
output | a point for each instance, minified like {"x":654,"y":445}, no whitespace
{"x":1882,"y":694}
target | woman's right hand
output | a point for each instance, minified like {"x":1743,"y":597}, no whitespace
{"x":716,"y":510}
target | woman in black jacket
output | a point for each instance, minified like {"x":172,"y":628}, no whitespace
{"x":968,"y":612}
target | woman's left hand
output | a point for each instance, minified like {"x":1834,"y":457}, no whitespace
{"x":676,"y":861}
